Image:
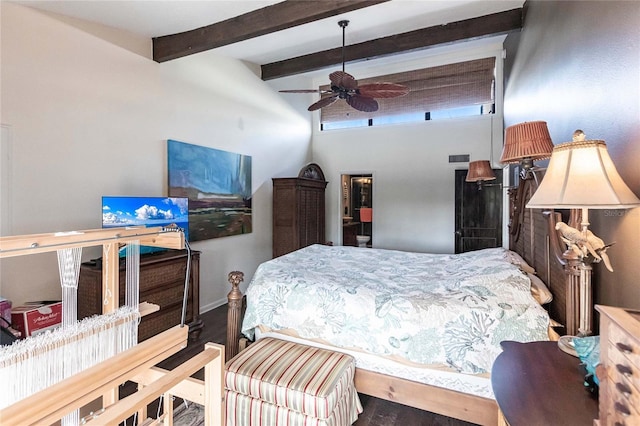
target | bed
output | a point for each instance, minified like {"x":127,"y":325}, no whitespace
{"x":424,"y":328}
{"x":450,"y":310}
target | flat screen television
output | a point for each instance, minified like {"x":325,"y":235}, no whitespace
{"x":145,"y":211}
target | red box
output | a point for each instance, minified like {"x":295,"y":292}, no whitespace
{"x":36,"y":318}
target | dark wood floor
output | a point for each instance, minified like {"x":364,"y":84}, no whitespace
{"x":377,"y":412}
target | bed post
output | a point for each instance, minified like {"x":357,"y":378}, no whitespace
{"x":234,"y":314}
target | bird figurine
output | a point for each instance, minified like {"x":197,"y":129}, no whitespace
{"x":601,"y":248}
{"x":584,"y":245}
{"x":578,"y":136}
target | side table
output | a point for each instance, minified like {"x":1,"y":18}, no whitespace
{"x":537,"y":384}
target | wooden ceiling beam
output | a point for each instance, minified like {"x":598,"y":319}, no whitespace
{"x":259,"y":22}
{"x":474,"y":28}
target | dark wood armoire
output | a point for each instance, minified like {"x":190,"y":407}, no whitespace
{"x":298,"y":210}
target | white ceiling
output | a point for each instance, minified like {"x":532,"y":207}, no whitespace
{"x":152,"y":18}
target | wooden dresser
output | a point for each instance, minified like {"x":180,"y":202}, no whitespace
{"x":620,"y":372}
{"x":161,"y":282}
{"x":298,"y":210}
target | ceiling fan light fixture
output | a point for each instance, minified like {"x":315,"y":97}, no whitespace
{"x":345,"y":86}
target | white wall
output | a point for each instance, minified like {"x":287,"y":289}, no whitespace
{"x":5,"y":179}
{"x":89,"y":118}
{"x":413,"y":181}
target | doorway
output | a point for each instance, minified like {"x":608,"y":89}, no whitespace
{"x":478,"y":220}
{"x":357,"y":209}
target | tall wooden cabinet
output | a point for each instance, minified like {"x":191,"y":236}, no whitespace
{"x":298,"y":210}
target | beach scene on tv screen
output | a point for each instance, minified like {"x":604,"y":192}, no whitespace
{"x":145,"y":211}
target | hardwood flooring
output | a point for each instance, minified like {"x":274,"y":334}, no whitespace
{"x":377,"y":412}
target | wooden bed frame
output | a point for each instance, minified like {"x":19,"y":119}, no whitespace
{"x":533,"y":236}
{"x":136,"y":364}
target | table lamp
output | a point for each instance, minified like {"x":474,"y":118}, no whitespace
{"x":582,"y":176}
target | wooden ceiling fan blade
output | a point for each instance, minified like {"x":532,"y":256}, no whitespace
{"x":362,"y":103}
{"x":343,"y":80}
{"x":323,"y":103}
{"x":383,"y":90}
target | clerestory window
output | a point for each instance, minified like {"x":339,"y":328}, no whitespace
{"x":445,"y":91}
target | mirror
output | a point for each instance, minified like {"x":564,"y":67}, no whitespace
{"x":356,"y":208}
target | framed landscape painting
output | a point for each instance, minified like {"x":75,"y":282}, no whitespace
{"x":218,"y":186}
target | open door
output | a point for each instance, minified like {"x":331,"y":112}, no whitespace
{"x":478,"y":221}
{"x":356,"y":195}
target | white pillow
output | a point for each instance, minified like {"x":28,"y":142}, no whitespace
{"x":539,"y":290}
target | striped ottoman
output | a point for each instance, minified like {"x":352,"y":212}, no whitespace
{"x":275,"y":382}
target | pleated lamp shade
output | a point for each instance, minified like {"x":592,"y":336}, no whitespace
{"x":480,"y":170}
{"x":581,"y":175}
{"x":529,"y":140}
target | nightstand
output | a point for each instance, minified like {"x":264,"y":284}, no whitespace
{"x":620,"y":366}
{"x":537,"y":384}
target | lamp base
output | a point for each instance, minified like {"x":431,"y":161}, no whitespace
{"x":565,"y":343}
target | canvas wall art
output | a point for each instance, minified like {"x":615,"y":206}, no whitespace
{"x":218,"y":186}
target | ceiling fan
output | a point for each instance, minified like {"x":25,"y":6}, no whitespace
{"x":345,"y":86}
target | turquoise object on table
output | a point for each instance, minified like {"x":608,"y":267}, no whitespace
{"x":588,"y":349}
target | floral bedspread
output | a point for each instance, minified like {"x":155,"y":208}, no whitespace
{"x":451,"y":310}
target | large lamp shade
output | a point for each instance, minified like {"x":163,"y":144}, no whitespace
{"x":529,"y":140}
{"x":581,"y":175}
